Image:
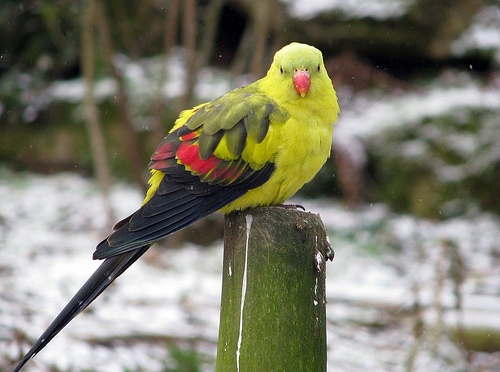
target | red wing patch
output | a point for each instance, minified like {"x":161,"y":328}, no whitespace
{"x":189,"y":136}
{"x":189,"y":155}
{"x":183,"y":150}
{"x":164,"y":156}
{"x":212,"y":170}
{"x":228,"y":171}
{"x":165,"y":151}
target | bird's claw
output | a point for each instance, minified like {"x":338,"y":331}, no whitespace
{"x":291,"y":206}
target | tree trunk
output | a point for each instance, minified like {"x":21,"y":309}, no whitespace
{"x":170,"y":36}
{"x":273,"y":292}
{"x":262,"y":17}
{"x":210,"y":27}
{"x":131,"y":138}
{"x":98,"y":147}
{"x":189,"y":30}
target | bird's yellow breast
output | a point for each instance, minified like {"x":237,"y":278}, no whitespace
{"x":302,"y":147}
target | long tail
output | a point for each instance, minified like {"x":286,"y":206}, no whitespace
{"x":109,"y":270}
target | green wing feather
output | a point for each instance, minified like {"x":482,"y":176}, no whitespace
{"x":236,"y":117}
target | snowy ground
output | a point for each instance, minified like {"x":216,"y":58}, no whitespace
{"x":390,"y":288}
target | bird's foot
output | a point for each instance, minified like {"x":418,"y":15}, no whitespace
{"x":291,"y":206}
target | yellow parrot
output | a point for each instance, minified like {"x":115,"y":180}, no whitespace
{"x":253,"y":146}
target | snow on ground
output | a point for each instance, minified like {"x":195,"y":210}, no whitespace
{"x":385,"y":9}
{"x":483,"y":34}
{"x":49,"y":227}
{"x":50,"y":224}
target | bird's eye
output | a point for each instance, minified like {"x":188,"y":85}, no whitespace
{"x":281,"y":70}
{"x":319,"y":68}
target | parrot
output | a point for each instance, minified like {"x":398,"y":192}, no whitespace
{"x":253,"y":146}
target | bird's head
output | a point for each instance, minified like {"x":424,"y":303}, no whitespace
{"x":299,"y":66}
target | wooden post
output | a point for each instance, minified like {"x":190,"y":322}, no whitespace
{"x":273,"y":292}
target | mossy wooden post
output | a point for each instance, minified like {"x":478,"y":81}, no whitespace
{"x":273,"y":292}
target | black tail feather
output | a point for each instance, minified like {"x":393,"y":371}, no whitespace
{"x":109,"y":270}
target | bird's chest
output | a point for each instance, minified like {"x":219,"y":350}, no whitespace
{"x":300,"y":151}
{"x":305,"y":148}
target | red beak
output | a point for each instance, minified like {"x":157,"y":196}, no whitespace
{"x":301,"y":79}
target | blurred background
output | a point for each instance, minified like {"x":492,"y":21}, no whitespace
{"x":410,"y":196}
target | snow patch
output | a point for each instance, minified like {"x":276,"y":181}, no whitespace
{"x":384,"y":9}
